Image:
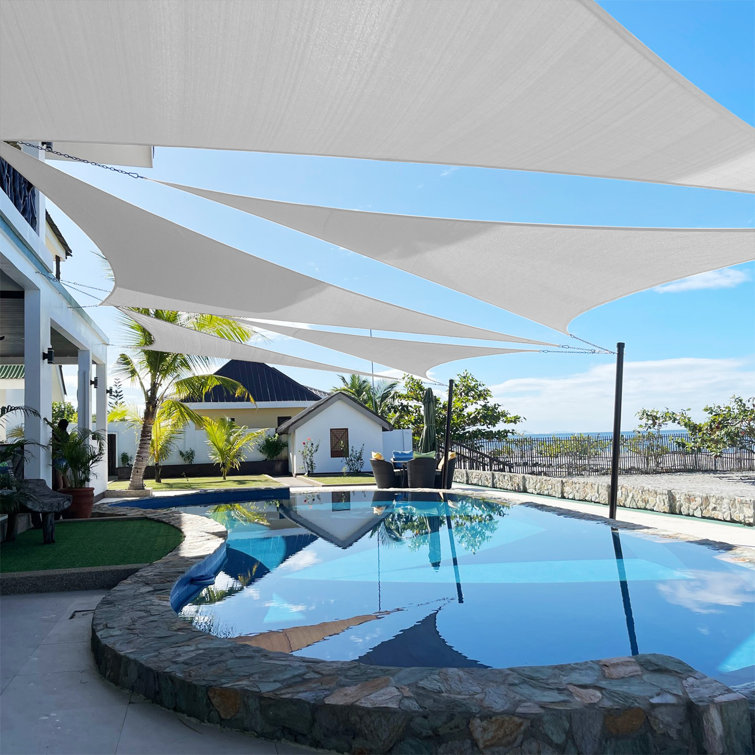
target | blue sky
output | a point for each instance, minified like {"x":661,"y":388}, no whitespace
{"x":687,"y":344}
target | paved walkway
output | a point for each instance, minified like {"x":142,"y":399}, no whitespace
{"x":53,"y":699}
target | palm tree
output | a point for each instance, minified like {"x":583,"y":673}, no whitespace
{"x":166,"y":431}
{"x":168,"y":379}
{"x":228,"y":442}
{"x":378,"y":397}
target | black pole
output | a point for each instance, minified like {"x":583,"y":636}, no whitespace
{"x":615,"y":451}
{"x":628,"y":617}
{"x":454,"y":560}
{"x":447,"y":442}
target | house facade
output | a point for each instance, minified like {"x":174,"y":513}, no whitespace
{"x":337,"y":424}
{"x":41,"y":325}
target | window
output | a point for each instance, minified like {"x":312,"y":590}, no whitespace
{"x":339,"y":442}
{"x":281,"y":420}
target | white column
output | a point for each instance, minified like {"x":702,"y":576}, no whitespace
{"x":100,"y":409}
{"x":37,"y":386}
{"x":84,"y":392}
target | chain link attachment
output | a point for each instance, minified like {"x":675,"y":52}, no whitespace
{"x":47,"y":147}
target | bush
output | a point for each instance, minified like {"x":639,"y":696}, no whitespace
{"x":187,"y":456}
{"x":125,"y":459}
{"x":272,"y":446}
{"x":355,"y":460}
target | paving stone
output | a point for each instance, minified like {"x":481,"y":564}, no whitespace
{"x":497,"y":731}
{"x":619,"y":668}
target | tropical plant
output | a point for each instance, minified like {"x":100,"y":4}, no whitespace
{"x":308,"y":451}
{"x":166,"y":431}
{"x":380,"y":397}
{"x":80,"y":450}
{"x":187,"y":456}
{"x":228,"y":442}
{"x":355,"y":460}
{"x":126,"y":459}
{"x":272,"y":446}
{"x":169,"y":379}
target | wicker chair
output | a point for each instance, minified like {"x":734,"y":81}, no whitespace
{"x":421,"y":473}
{"x":385,"y":475}
{"x":439,"y":473}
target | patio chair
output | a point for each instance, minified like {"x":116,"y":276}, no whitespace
{"x":385,"y":475}
{"x":439,"y":473}
{"x":421,"y":473}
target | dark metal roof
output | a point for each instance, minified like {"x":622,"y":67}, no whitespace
{"x":322,"y":404}
{"x":265,"y":383}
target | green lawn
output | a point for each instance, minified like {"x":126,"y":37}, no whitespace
{"x":90,"y":543}
{"x":341,"y":479}
{"x":192,"y":483}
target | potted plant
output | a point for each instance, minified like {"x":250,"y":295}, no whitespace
{"x":13,"y":494}
{"x":79,"y":451}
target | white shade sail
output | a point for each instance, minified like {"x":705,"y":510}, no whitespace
{"x":175,"y":339}
{"x":157,"y":263}
{"x":544,"y":85}
{"x":547,"y":273}
{"x":414,"y":357}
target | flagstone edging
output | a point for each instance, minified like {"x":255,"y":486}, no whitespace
{"x":724,"y":508}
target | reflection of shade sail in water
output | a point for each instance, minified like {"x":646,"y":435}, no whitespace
{"x":419,"y":645}
{"x":537,"y":589}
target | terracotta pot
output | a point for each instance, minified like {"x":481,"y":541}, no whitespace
{"x":81,"y":505}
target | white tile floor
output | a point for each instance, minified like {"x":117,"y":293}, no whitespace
{"x":53,"y":700}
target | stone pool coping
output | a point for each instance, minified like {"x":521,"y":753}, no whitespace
{"x":632,"y":704}
{"x":702,"y":505}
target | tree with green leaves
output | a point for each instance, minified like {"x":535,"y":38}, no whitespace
{"x":474,"y":416}
{"x":63,"y":410}
{"x":380,"y":397}
{"x":116,"y":395}
{"x":167,"y":380}
{"x":727,"y":426}
{"x":166,"y":431}
{"x":229,"y":442}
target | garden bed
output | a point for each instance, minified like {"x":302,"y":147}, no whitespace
{"x":196,"y":483}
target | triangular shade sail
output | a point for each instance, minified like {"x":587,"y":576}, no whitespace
{"x":414,"y":357}
{"x":176,"y":339}
{"x":160,"y":264}
{"x":547,"y":273}
{"x":545,"y":85}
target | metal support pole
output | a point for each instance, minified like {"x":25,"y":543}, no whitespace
{"x":447,"y":443}
{"x":616,"y":449}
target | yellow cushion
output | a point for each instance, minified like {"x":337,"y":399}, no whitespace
{"x":377,"y":456}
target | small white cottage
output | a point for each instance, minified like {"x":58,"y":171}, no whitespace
{"x":338,"y":423}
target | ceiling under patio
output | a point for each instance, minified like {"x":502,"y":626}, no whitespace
{"x":537,"y":85}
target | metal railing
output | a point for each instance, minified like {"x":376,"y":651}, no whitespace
{"x":20,"y":192}
{"x":576,"y":455}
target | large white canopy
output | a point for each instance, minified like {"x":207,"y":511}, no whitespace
{"x":547,"y":273}
{"x":545,"y":85}
{"x":157,"y":263}
{"x":175,"y":339}
{"x":414,"y":357}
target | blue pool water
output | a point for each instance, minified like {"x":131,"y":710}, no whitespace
{"x":420,"y":579}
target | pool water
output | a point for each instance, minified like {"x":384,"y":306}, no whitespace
{"x":453,"y":580}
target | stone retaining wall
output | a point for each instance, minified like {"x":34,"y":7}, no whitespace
{"x":648,"y":703}
{"x":706,"y":506}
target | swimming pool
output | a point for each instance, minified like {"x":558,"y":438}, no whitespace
{"x":452,"y":580}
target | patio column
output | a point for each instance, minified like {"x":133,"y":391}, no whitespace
{"x":100,"y":409}
{"x":84,"y":392}
{"x":37,"y":386}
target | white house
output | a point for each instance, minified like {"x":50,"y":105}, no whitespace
{"x":338,"y":423}
{"x":43,"y":326}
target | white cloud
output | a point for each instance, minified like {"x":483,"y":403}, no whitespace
{"x":583,"y":402}
{"x":726,"y":278}
{"x":449,"y":171}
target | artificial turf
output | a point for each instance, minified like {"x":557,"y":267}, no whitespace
{"x":90,"y":543}
{"x":192,"y":483}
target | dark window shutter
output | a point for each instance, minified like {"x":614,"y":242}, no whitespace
{"x":339,"y":442}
